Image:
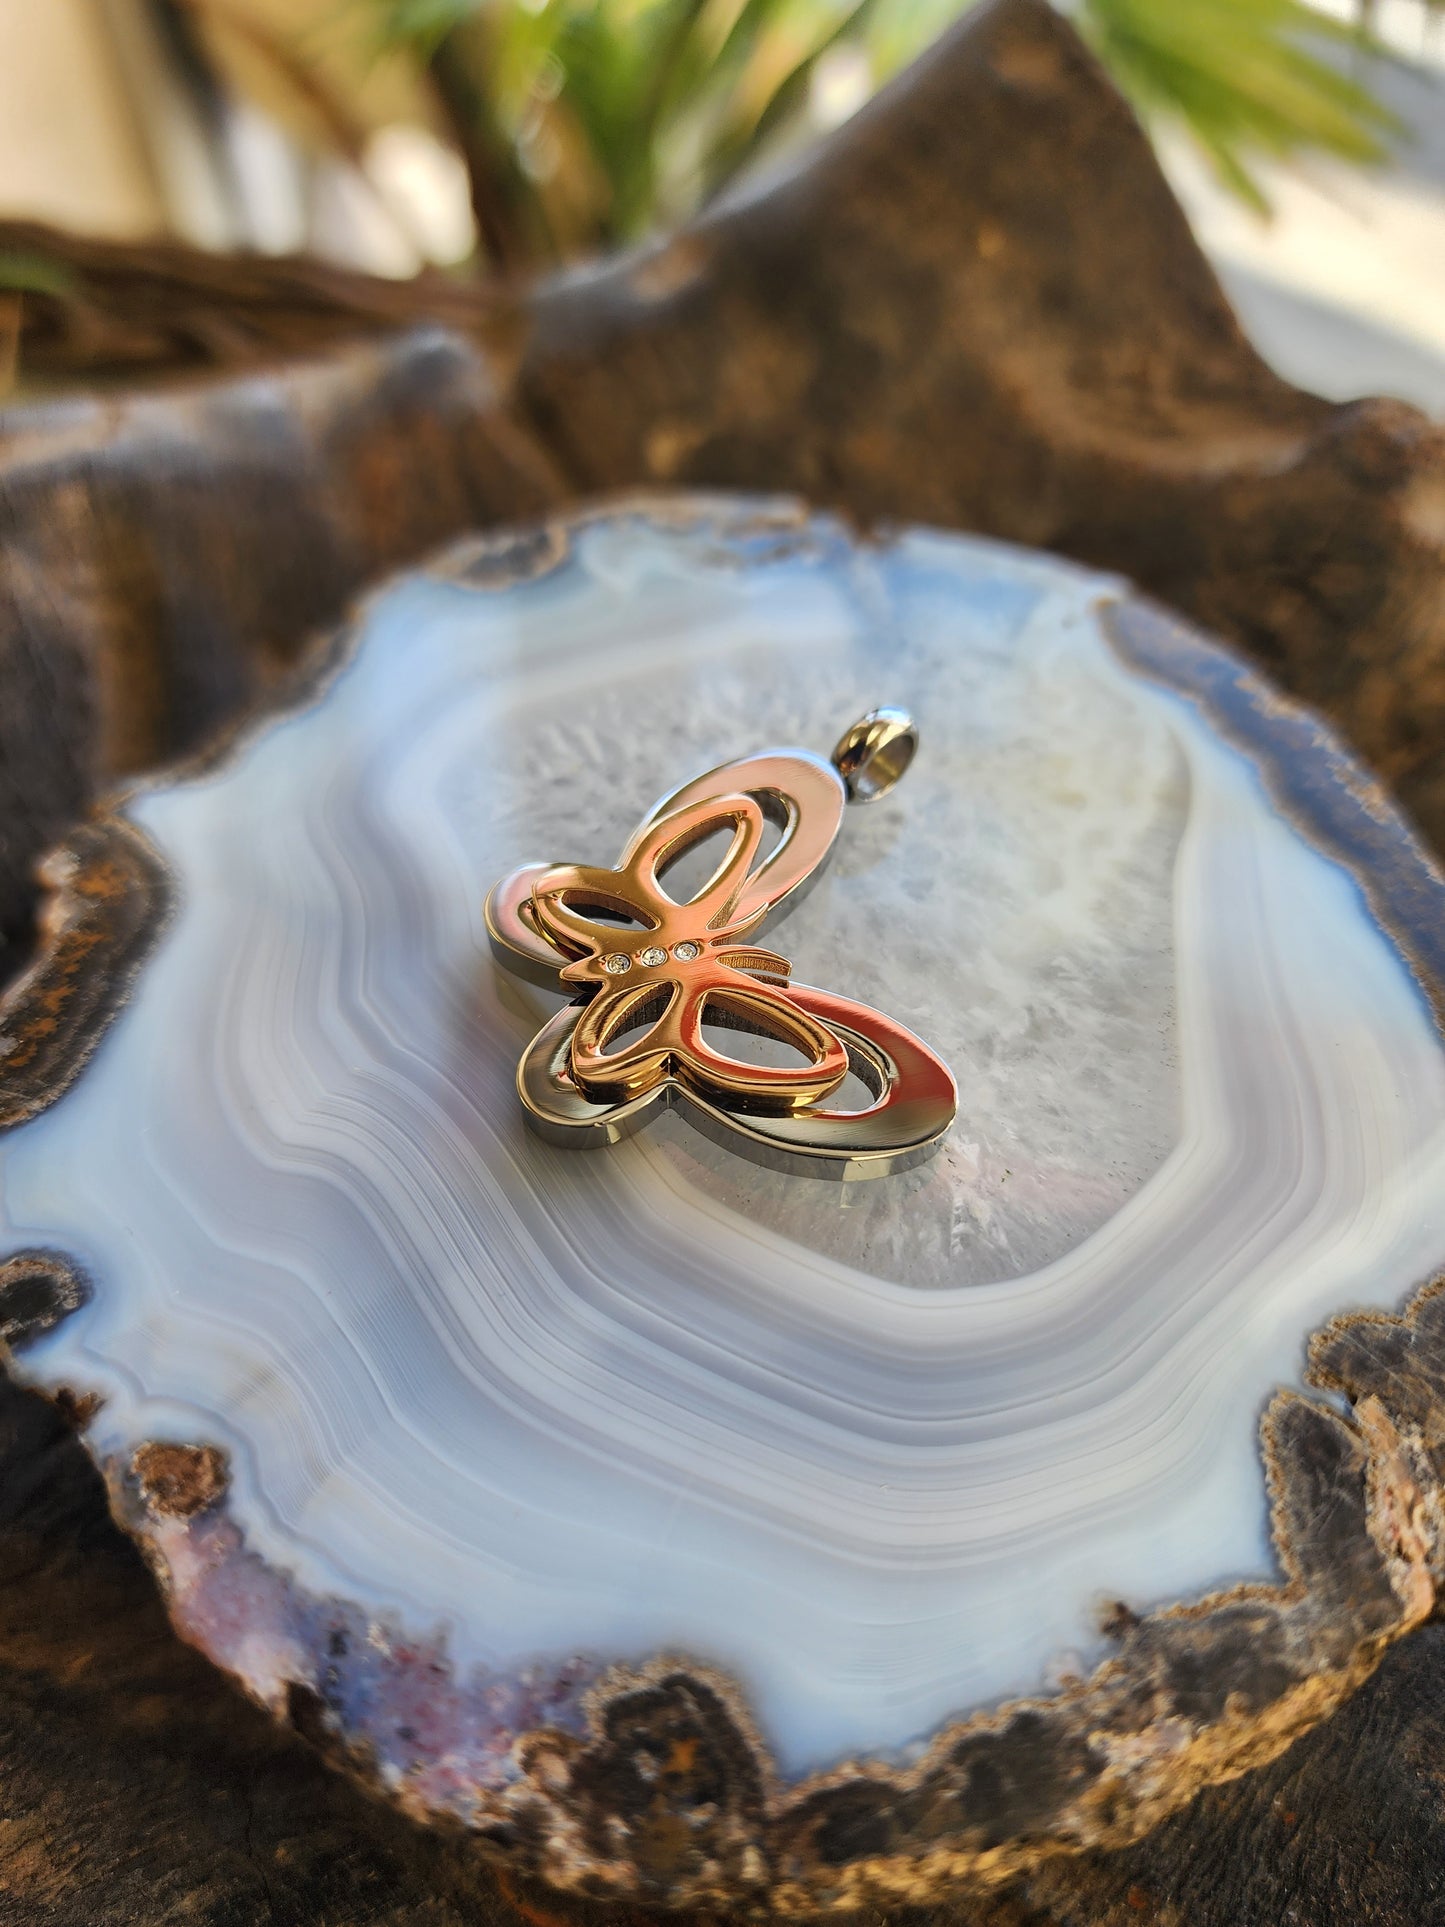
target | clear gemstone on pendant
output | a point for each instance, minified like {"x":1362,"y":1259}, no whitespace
{"x":686,"y":951}
{"x":616,"y":963}
{"x":652,"y":955}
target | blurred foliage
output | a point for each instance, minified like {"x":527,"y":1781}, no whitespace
{"x":583,"y":122}
{"x":1242,"y":76}
{"x":23,"y":271}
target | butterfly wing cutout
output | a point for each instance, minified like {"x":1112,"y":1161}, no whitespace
{"x":635,"y":1038}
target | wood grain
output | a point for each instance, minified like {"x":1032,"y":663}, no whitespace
{"x":976,"y":305}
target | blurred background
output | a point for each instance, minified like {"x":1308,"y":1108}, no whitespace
{"x":1306,"y":138}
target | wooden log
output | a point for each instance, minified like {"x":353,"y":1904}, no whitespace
{"x":981,"y":306}
{"x":129,"y":308}
{"x":164,"y":559}
{"x":976,"y":305}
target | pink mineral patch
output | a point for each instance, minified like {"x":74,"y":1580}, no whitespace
{"x":445,"y":1740}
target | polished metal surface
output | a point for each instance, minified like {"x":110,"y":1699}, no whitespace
{"x":648,"y":971}
{"x":875,"y":753}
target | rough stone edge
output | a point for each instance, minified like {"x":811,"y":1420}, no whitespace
{"x":108,"y":898}
{"x":669,"y":1796}
{"x":108,"y":895}
{"x":37,"y":1290}
{"x":660,"y":1789}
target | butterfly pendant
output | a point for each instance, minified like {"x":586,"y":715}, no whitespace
{"x":650,"y":973}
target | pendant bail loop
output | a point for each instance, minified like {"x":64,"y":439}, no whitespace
{"x":875,"y":752}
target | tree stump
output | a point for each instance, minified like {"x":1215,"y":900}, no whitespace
{"x":976,"y":305}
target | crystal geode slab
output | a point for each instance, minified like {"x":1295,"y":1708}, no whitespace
{"x":688,"y":1529}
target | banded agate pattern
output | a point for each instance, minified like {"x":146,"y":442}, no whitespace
{"x":876,"y":1451}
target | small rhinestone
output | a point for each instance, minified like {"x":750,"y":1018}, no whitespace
{"x":616,"y":964}
{"x":685,"y":952}
{"x":652,"y":956}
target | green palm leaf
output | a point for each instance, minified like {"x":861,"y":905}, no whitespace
{"x":1246,"y":77}
{"x":597,"y":118}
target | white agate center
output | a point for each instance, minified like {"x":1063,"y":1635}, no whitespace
{"x":878,"y":1450}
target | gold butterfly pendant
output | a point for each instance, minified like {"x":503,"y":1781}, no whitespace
{"x":648,"y":972}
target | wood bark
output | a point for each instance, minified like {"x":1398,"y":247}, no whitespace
{"x":976,"y":305}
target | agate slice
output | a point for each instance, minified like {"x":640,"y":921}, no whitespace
{"x":692,"y":1530}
